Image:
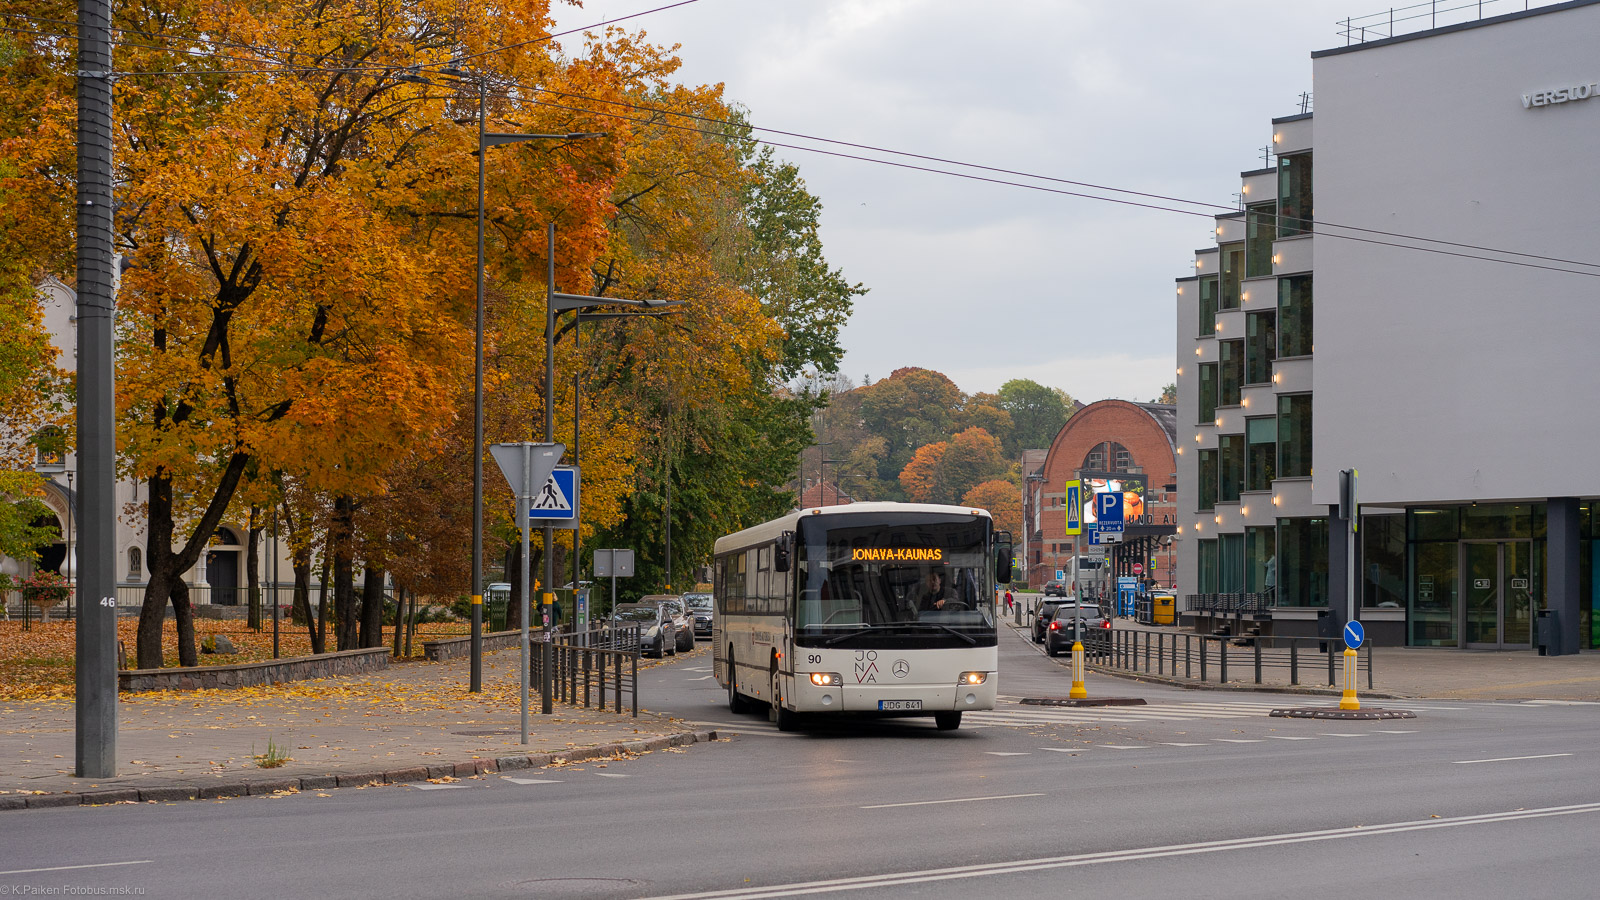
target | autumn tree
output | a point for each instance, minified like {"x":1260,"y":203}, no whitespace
{"x":1002,"y":499}
{"x":910,"y":408}
{"x":921,"y":477}
{"x":1037,"y":412}
{"x":1169,"y":394}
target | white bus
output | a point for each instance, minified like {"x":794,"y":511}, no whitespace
{"x":876,"y":609}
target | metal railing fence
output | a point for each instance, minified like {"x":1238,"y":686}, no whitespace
{"x":585,"y":664}
{"x":1430,"y":14}
{"x":1199,"y":655}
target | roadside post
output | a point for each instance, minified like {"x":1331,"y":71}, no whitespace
{"x":613,"y":564}
{"x":555,"y":505}
{"x":1075,"y":531}
{"x":1354,"y":636}
{"x":527,"y":467}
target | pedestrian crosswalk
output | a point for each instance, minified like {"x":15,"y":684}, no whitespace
{"x":1008,"y":711}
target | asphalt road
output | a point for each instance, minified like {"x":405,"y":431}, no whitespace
{"x":1198,"y":794}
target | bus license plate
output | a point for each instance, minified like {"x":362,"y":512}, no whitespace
{"x":899,"y":704}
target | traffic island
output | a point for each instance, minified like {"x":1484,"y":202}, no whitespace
{"x":1082,"y":701}
{"x":1345,"y":714}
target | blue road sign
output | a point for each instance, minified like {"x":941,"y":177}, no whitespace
{"x":557,"y":502}
{"x":1108,"y":507}
{"x":1354,"y":634}
{"x":1074,"y":507}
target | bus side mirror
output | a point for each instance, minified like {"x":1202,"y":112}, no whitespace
{"x":1002,"y":557}
{"x":780,"y":552}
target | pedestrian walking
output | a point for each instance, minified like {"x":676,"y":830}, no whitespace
{"x":1010,"y":603}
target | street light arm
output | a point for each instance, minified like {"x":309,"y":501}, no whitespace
{"x":590,"y":317}
{"x":563,"y":302}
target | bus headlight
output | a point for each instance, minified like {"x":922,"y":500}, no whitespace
{"x":825,"y":679}
{"x":973,"y":678}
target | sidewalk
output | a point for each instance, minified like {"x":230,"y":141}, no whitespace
{"x":1398,"y":672}
{"x":413,"y":722}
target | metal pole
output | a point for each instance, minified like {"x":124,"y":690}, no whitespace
{"x":275,"y":572}
{"x":69,"y":550}
{"x":475,"y":683}
{"x":95,"y":738}
{"x":527,"y":585}
{"x":549,"y":436}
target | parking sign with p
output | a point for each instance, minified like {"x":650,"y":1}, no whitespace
{"x":1108,"y":506}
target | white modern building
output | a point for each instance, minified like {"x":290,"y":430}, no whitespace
{"x":1412,"y":291}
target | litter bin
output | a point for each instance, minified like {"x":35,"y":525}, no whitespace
{"x":1165,"y":609}
{"x":1546,"y":630}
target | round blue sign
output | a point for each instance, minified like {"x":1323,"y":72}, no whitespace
{"x":1354,"y":635}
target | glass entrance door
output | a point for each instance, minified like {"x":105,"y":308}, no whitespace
{"x":1497,"y":585}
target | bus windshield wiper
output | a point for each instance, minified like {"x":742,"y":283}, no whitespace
{"x":847,"y":636}
{"x":971,"y":641}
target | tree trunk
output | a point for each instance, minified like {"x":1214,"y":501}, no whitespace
{"x":399,"y":617}
{"x":372,"y":607}
{"x":320,"y":642}
{"x":411,"y":621}
{"x":340,"y":541}
{"x":253,"y":567}
{"x":183,"y":615}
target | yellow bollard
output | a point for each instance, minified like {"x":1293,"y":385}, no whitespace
{"x":1349,"y":701}
{"x":1078,"y":691}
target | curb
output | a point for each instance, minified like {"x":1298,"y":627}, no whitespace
{"x":259,"y":786}
{"x":1192,"y":685}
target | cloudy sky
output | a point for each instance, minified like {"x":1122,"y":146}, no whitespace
{"x":987,"y":282}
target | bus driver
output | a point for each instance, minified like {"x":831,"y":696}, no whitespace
{"x":929,"y":595}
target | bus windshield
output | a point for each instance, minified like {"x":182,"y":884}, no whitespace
{"x":927,"y":580}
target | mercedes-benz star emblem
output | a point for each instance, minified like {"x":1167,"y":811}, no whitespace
{"x":901,"y":668}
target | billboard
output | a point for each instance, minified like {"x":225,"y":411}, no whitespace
{"x":1132,"y":487}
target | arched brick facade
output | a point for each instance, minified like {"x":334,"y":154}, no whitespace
{"x":1145,"y":430}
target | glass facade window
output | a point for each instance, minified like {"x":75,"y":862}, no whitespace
{"x":1434,"y":610}
{"x":1434,"y":524}
{"x":1208,"y":567}
{"x":1208,"y":306}
{"x":1261,"y":453}
{"x":1260,"y":230}
{"x":1294,"y":195}
{"x":1294,"y":316}
{"x":1230,"y":467}
{"x":1261,"y":561}
{"x":1383,"y":561}
{"x":1208,"y":393}
{"x":1231,"y":577}
{"x":1230,"y":372}
{"x":1302,"y":562}
{"x":1261,"y":347}
{"x":1294,"y":436}
{"x":1232,"y":272}
{"x":1208,"y":479}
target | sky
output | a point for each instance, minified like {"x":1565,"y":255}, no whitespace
{"x":987,"y":282}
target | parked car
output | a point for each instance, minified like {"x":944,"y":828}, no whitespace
{"x":1047,"y":609}
{"x":1065,"y":625}
{"x":682,"y":622}
{"x":657,"y":631}
{"x":703,"y":608}
{"x":1055,"y":589}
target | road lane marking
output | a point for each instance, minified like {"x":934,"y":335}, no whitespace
{"x":611,"y":775}
{"x":1126,"y":746}
{"x":1387,"y":731}
{"x":703,"y":678}
{"x":923,"y":876}
{"x":1287,"y":737}
{"x":1179,"y":744}
{"x":1468,"y":762}
{"x":425,"y":786}
{"x":1002,"y":753}
{"x":1239,"y":740}
{"x":131,"y":862}
{"x":1341,"y":734}
{"x":1065,"y":749}
{"x":958,"y":800}
{"x":531,"y":780}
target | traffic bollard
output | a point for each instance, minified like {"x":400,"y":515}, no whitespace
{"x":1078,"y":692}
{"x":1349,"y":701}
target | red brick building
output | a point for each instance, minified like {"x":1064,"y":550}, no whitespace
{"x":1108,"y":436}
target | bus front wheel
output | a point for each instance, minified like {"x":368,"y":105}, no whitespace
{"x":947,"y":721}
{"x":785,"y":719}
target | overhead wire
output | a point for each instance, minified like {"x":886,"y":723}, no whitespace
{"x":1321,"y":226}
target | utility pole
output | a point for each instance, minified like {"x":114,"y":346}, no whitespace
{"x":96,"y":704}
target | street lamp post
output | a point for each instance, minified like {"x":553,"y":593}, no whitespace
{"x":485,"y":141}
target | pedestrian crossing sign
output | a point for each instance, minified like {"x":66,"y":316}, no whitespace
{"x":557,"y":502}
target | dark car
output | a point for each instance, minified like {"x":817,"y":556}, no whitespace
{"x":1055,"y":589}
{"x":682,"y":622}
{"x":1072,"y":622}
{"x":657,"y":631}
{"x":1047,"y":609}
{"x":702,"y":607}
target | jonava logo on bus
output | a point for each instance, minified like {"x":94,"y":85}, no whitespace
{"x":900,"y":554}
